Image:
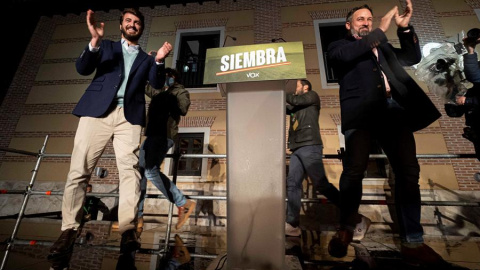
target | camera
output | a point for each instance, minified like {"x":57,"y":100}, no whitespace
{"x":443,"y":64}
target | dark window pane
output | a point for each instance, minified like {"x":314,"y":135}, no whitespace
{"x":182,"y":165}
{"x":328,"y":34}
{"x":191,"y":58}
{"x":190,"y":143}
{"x":198,"y":143}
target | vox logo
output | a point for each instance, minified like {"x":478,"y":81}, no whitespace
{"x":252,"y":75}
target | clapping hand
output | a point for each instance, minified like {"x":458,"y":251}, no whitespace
{"x":95,"y":31}
{"x":404,"y":19}
{"x":163,"y":51}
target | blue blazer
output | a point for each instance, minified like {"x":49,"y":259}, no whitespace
{"x":109,"y":65}
{"x":362,"y":86}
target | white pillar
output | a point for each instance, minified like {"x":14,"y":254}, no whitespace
{"x":256,"y":175}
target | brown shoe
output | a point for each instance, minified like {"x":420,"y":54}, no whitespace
{"x":423,"y":256}
{"x":184,"y":212}
{"x":338,"y":245}
{"x":65,"y":242}
{"x":140,"y":225}
{"x":115,"y":226}
{"x":180,"y":252}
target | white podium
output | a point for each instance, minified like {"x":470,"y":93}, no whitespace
{"x":256,"y":175}
{"x":254,"y":76}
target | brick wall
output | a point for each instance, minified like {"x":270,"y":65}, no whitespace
{"x":84,"y":257}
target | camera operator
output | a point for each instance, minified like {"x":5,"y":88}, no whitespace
{"x":472,"y":97}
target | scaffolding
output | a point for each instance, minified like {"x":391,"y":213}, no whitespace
{"x":29,"y":191}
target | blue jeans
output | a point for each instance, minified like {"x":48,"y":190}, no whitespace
{"x":307,"y":160}
{"x":152,"y":154}
{"x":170,"y":264}
{"x":398,"y":143}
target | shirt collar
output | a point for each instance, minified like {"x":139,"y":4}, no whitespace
{"x":130,"y":48}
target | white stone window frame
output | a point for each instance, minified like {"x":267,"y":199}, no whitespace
{"x":318,"y":40}
{"x":204,"y":173}
{"x":477,"y":12}
{"x":199,"y":31}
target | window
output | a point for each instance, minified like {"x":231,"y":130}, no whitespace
{"x":191,"y":140}
{"x":190,"y":143}
{"x":327,"y":31}
{"x":191,"y":52}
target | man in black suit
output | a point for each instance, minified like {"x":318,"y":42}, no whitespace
{"x":379,"y":100}
{"x":112,"y":108}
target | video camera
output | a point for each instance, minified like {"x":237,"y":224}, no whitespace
{"x":441,"y":69}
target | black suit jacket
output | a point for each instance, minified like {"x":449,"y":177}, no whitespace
{"x":362,"y":87}
{"x":109,"y":65}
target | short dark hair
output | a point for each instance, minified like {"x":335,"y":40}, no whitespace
{"x":307,"y":83}
{"x":173,"y":72}
{"x":350,"y":13}
{"x":135,"y":12}
{"x":89,"y":185}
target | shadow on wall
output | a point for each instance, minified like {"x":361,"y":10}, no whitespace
{"x":215,"y":170}
{"x":449,"y":220}
{"x":464,"y":222}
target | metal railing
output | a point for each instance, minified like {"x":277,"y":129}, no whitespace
{"x":24,"y":203}
{"x":28,"y":192}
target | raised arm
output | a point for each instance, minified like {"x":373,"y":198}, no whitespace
{"x":307,"y":99}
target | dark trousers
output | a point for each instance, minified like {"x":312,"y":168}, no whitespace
{"x":398,"y":143}
{"x":307,"y":160}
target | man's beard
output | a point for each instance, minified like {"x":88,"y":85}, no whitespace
{"x":362,"y":33}
{"x":129,"y":37}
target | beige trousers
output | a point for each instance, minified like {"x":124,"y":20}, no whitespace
{"x":91,"y":139}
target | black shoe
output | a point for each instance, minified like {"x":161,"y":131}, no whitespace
{"x":129,"y":241}
{"x":338,"y":245}
{"x":65,"y":242}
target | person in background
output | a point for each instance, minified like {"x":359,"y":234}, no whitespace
{"x":92,"y":205}
{"x":471,"y":100}
{"x":306,"y":145}
{"x":177,"y":257}
{"x":164,"y":113}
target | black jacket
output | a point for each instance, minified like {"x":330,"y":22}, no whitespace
{"x":165,"y":111}
{"x":472,"y":101}
{"x":305,"y":109}
{"x":362,"y":87}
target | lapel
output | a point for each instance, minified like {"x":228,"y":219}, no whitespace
{"x":388,"y":62}
{"x":141,"y":56}
{"x":117,"y":52}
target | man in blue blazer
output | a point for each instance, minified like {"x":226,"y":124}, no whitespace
{"x":112,"y":108}
{"x":379,"y":100}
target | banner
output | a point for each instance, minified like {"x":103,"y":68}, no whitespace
{"x":260,"y":62}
